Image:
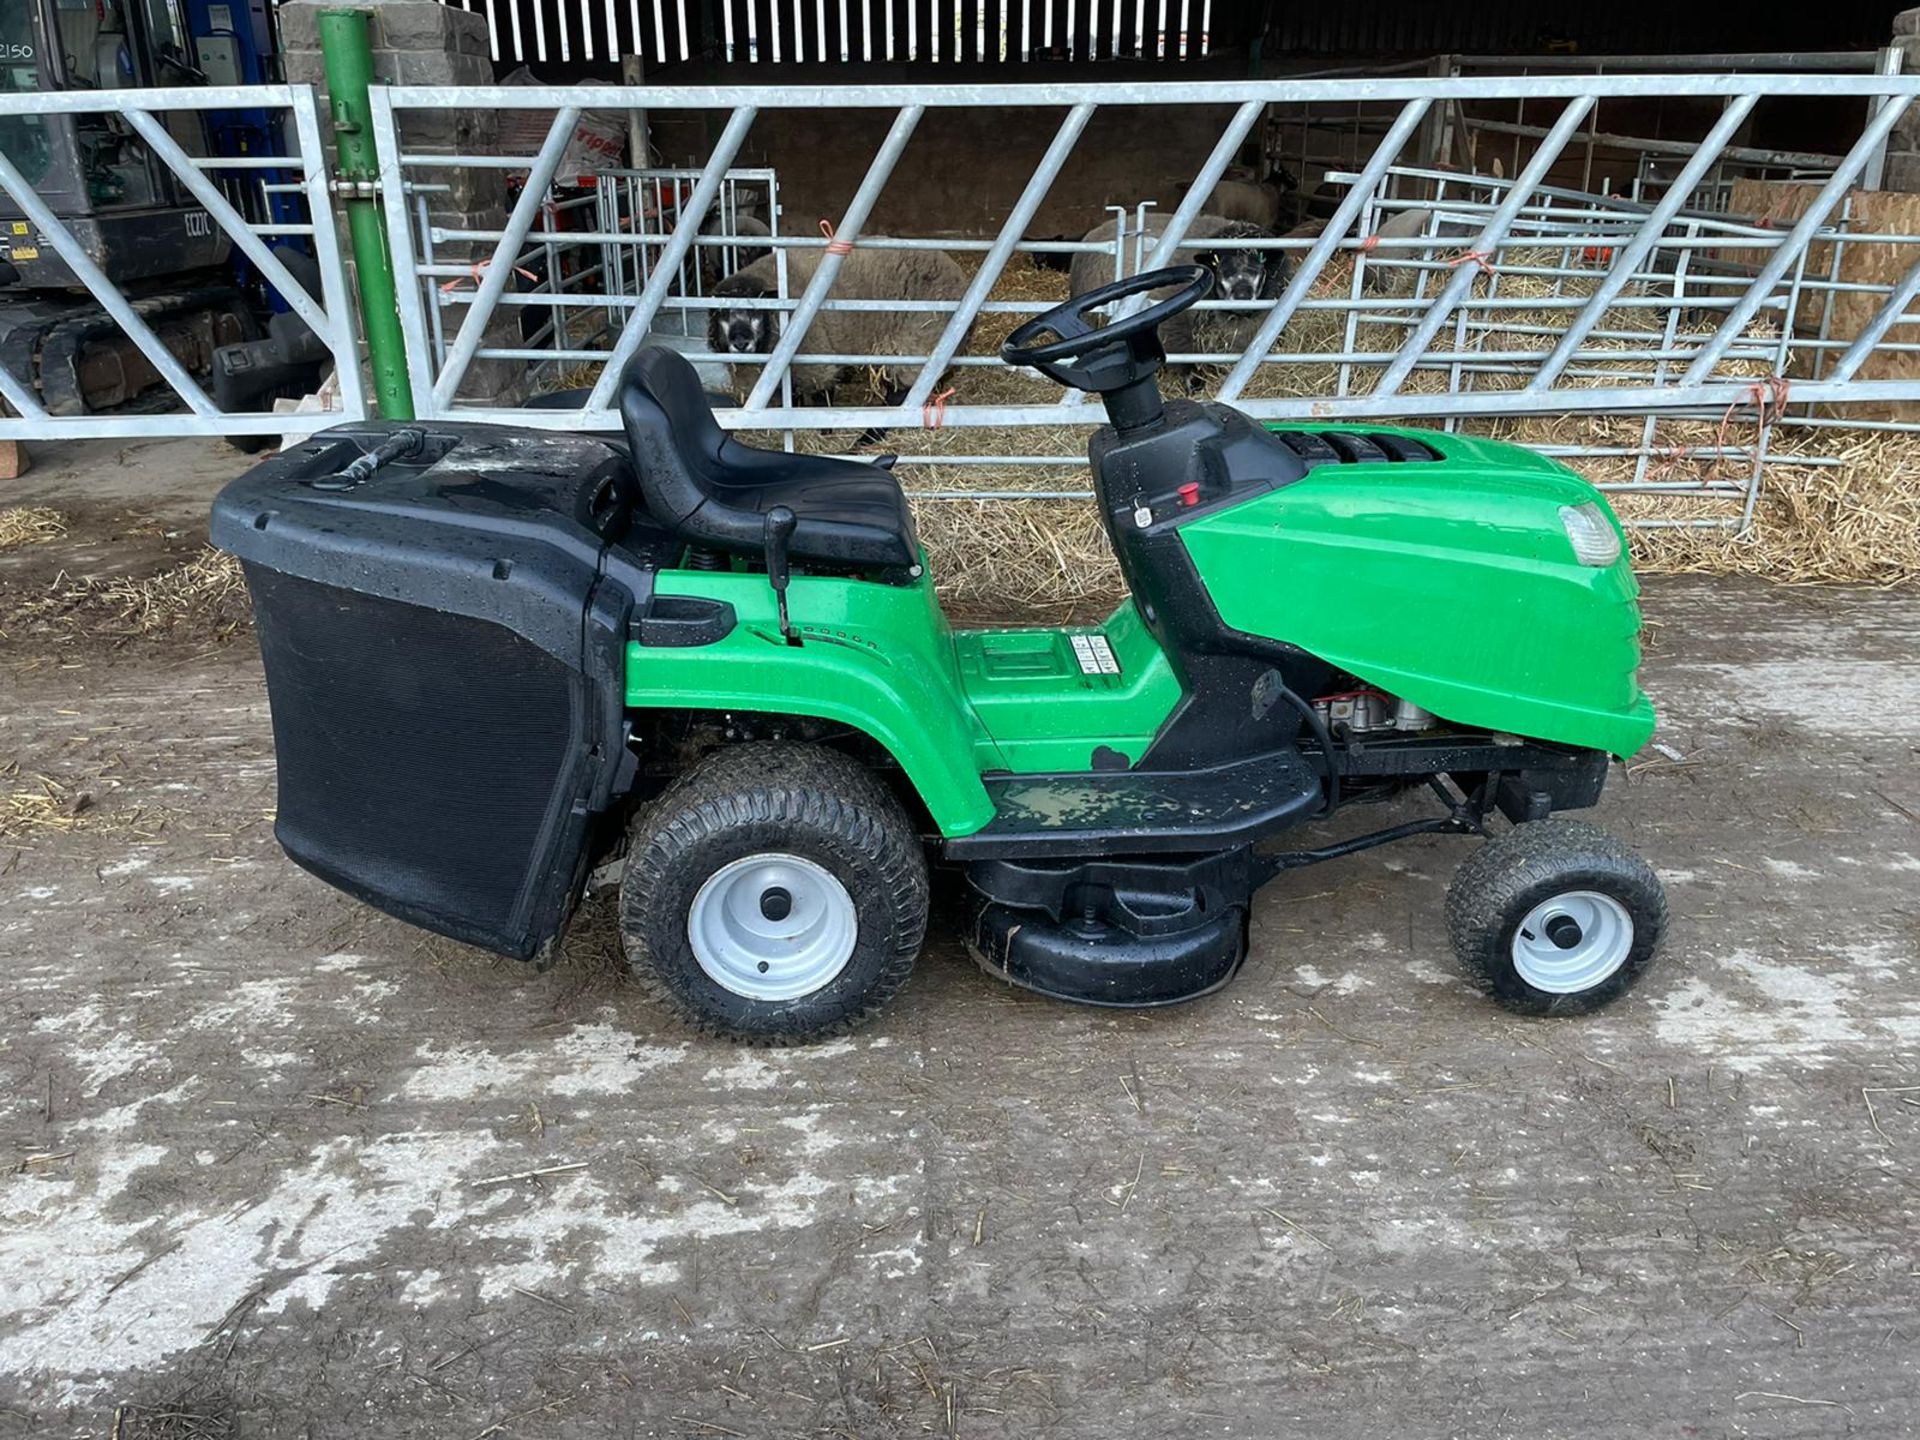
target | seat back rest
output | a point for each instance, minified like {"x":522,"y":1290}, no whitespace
{"x":676,"y":446}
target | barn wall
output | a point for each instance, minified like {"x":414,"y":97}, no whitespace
{"x":963,"y":169}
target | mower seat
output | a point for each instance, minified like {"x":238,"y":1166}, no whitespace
{"x":710,"y":489}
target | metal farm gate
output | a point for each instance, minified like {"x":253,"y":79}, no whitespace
{"x":1429,"y":294}
{"x":228,"y":190}
{"x":1645,"y":292}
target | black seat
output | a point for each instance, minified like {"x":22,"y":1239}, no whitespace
{"x":712,"y":490}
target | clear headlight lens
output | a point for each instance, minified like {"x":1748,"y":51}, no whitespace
{"x":1594,"y":540}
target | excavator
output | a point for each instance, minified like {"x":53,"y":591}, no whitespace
{"x":157,"y":245}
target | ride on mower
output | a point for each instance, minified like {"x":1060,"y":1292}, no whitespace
{"x":494,"y":656}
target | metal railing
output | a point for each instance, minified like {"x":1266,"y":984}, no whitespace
{"x":1702,"y":381}
{"x":1510,"y":297}
{"x":599,"y":239}
{"x":210,"y":181}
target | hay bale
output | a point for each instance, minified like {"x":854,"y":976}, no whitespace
{"x":1781,"y":203}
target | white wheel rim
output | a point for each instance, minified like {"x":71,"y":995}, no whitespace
{"x":1572,"y":942}
{"x":772,"y":926}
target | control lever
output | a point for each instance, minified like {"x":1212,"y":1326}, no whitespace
{"x":781,"y":523}
{"x":400,"y":445}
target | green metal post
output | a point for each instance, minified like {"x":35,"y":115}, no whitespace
{"x":349,"y":60}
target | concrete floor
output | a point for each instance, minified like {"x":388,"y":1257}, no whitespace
{"x":268,"y":1153}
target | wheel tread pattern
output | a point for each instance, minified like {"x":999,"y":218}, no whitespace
{"x":761,"y":793}
{"x":1498,"y":884}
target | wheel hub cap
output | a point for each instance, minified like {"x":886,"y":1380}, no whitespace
{"x":772,"y":926}
{"x":1572,"y":942}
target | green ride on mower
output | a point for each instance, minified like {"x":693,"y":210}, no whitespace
{"x":496,"y":656}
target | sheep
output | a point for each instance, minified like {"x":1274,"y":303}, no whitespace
{"x":717,"y":261}
{"x":1270,"y":203}
{"x":865,"y":274}
{"x":1390,"y":269}
{"x":1242,"y":274}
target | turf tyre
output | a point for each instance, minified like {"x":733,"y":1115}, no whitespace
{"x":774,"y":798}
{"x":1522,"y":874}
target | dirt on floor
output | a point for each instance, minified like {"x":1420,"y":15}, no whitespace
{"x":276,"y":1165}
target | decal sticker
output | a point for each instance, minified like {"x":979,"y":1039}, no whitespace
{"x":1095,"y":655}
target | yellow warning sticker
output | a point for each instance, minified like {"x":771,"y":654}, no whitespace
{"x":19,"y":227}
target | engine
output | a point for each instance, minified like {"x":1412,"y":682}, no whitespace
{"x":1364,"y":712}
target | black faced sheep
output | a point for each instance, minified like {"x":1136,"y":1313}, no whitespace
{"x":1239,"y":273}
{"x":865,"y":274}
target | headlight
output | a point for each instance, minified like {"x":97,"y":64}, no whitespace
{"x":1594,"y":540}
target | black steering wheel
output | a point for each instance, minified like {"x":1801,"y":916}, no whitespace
{"x":1109,"y":357}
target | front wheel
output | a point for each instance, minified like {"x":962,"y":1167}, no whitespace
{"x":775,"y":894}
{"x":1555,"y":917}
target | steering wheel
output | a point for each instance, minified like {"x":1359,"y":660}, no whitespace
{"x":1110,"y":357}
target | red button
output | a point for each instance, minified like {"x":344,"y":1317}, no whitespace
{"x":1190,"y":493}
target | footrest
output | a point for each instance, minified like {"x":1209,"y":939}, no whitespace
{"x":1143,"y":812}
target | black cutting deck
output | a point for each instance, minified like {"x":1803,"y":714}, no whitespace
{"x":1132,"y":811}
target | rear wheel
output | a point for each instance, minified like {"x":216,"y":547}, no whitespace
{"x":775,"y":894}
{"x":1556,"y":917}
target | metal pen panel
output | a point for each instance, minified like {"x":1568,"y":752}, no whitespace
{"x":852,"y":221}
{"x":1466,"y":266}
{"x":1309,"y":271}
{"x":1597,"y":308}
{"x":497,"y":272}
{"x":212,"y":182}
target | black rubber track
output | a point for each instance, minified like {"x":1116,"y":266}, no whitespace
{"x":805,"y":800}
{"x":1493,"y":891}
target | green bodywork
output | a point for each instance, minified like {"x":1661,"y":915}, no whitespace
{"x":1044,"y":713}
{"x":880,"y":658}
{"x":1453,"y":585}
